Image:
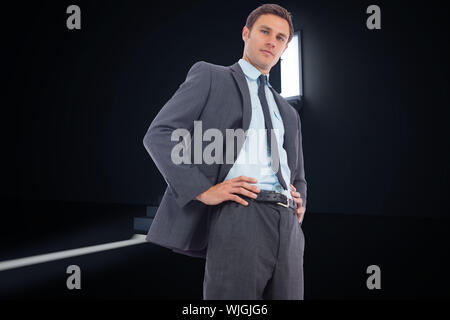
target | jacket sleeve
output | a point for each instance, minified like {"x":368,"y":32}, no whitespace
{"x":185,"y":180}
{"x":299,"y":179}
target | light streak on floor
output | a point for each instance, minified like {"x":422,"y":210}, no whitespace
{"x":42,"y":258}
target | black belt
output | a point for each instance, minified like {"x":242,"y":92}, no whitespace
{"x":276,"y":197}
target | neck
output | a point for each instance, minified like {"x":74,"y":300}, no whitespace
{"x":263,"y":71}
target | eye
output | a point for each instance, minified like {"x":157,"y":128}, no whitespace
{"x":281,"y":38}
{"x":264,"y":31}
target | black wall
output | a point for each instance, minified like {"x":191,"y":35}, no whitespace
{"x":77,"y":104}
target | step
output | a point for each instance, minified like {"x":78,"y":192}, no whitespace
{"x":141,"y":225}
{"x":151,"y":211}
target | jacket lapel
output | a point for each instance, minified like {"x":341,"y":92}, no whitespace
{"x":239,"y":76}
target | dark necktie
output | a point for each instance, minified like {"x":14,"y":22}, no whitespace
{"x":273,"y":147}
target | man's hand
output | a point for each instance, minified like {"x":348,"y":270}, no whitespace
{"x":228,"y":189}
{"x":300,"y":209}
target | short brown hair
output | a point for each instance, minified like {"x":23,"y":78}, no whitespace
{"x":270,"y":8}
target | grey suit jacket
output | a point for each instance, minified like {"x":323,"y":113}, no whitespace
{"x":219,"y":97}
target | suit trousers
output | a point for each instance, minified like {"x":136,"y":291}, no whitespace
{"x":254,"y":252}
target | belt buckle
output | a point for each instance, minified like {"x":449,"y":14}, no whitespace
{"x":286,"y":204}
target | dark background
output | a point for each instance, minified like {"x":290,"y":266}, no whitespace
{"x":77,"y":104}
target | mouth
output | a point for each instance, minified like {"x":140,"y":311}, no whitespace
{"x":268,"y":52}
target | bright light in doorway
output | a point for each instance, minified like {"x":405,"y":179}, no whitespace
{"x":291,"y":69}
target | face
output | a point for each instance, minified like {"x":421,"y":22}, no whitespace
{"x":266,"y":42}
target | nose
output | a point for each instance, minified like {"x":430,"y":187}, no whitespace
{"x":271,"y":42}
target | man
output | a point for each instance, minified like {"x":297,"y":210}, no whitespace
{"x":244,"y":218}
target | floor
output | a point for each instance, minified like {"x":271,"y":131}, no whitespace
{"x":412,"y":253}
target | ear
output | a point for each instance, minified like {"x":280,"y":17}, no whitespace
{"x":287,"y":44}
{"x":245,"y":32}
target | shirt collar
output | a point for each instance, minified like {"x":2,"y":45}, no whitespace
{"x":250,"y":71}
